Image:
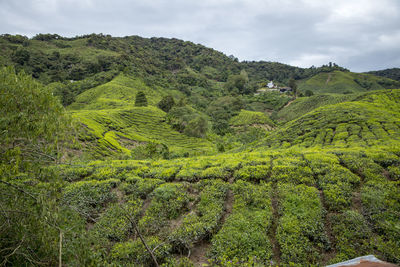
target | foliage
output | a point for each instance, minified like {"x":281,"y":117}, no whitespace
{"x":318,"y":189}
{"x":166,"y":103}
{"x":133,"y":253}
{"x":243,"y":237}
{"x":300,"y":231}
{"x":88,"y":197}
{"x":140,"y":100}
{"x":393,"y":73}
{"x":32,"y":120}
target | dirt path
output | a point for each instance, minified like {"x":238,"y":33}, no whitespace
{"x":288,"y":103}
{"x":199,"y":252}
{"x":329,"y":78}
{"x":276,"y":251}
{"x":228,"y":206}
{"x":331,"y":253}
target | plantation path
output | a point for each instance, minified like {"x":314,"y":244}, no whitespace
{"x":329,"y":78}
{"x":356,"y":203}
{"x":198,"y":254}
{"x":276,"y":252}
{"x":330,"y":254}
{"x":228,"y":206}
{"x":119,"y":194}
{"x":146,"y":204}
{"x":288,"y":103}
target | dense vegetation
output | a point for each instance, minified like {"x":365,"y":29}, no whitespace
{"x":164,"y":155}
{"x":393,"y":73}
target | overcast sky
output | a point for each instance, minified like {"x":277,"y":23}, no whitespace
{"x":361,"y":35}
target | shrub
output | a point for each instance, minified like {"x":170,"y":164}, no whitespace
{"x":140,"y":100}
{"x":89,"y":197}
{"x":134,"y":252}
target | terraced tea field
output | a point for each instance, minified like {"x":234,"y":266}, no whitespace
{"x":374,"y":119}
{"x":288,"y":207}
{"x":120,"y":130}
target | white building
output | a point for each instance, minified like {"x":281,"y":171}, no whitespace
{"x":271,"y":84}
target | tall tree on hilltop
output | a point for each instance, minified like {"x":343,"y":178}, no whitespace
{"x":293,"y":85}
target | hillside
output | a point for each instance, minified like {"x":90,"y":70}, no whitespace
{"x":393,"y":73}
{"x":346,"y":82}
{"x":114,"y":125}
{"x":371,"y":120}
{"x":303,"y":105}
{"x":159,"y":152}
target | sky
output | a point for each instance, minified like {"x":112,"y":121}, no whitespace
{"x":361,"y":35}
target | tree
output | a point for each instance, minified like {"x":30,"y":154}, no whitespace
{"x":166,"y":103}
{"x":196,"y":127}
{"x":237,"y":84}
{"x":141,"y":100}
{"x":31,"y":127}
{"x":293,"y":85}
{"x":309,"y":93}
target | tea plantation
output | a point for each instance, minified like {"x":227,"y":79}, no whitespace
{"x":159,"y":152}
{"x":288,"y":207}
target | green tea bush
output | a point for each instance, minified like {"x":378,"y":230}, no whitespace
{"x":243,"y":237}
{"x":164,"y":173}
{"x":215,"y":173}
{"x":89,"y":197}
{"x":113,"y":224}
{"x":352,"y":236}
{"x":134,"y":253}
{"x":300,"y":232}
{"x":253,"y":173}
{"x":202,"y":224}
{"x":167,"y":202}
{"x":188,"y":174}
{"x":140,"y":187}
{"x":73,"y":174}
{"x":293,"y":174}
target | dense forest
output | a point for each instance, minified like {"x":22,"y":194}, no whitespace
{"x":131,"y":151}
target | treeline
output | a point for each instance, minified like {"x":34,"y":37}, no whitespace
{"x":393,"y":73}
{"x":169,"y":63}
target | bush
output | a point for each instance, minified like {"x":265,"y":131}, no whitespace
{"x":166,"y":103}
{"x":140,"y":100}
{"x":88,"y":198}
{"x":134,"y":252}
{"x":244,"y":236}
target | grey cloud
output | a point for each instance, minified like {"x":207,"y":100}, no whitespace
{"x":359,"y":34}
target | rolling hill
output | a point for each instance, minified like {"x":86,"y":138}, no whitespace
{"x":346,"y":82}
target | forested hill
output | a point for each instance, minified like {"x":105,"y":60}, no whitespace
{"x":393,"y":73}
{"x":170,"y":63}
